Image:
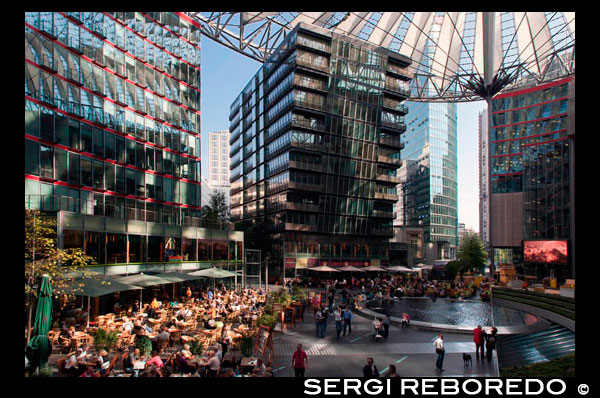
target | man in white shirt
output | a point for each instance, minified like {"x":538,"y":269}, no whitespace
{"x":439,"y":349}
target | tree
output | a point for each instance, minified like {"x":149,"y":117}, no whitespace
{"x":217,"y":211}
{"x":42,"y":256}
{"x":471,"y":254}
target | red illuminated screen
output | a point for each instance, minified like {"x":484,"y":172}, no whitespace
{"x":546,"y":251}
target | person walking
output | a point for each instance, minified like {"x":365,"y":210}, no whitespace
{"x":324,"y":321}
{"x":299,"y":361}
{"x":478,"y":339}
{"x":439,"y":349}
{"x":391,"y":371}
{"x":370,"y":370}
{"x":347,"y":316}
{"x":386,"y":326}
{"x":337,"y":314}
{"x":318,"y":321}
{"x":490,"y":344}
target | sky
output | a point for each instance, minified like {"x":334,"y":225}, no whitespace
{"x":225,"y":73}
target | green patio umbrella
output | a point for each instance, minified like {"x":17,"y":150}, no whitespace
{"x":39,"y":347}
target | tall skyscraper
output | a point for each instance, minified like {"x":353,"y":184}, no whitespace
{"x":315,"y":147}
{"x":531,"y":164}
{"x":484,"y":203}
{"x":218,"y":162}
{"x":429,"y":191}
{"x":112,"y":137}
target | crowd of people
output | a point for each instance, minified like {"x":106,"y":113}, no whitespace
{"x":161,"y":333}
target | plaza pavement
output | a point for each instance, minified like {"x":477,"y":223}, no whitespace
{"x":410,"y":349}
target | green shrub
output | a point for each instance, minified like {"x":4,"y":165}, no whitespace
{"x":196,"y":347}
{"x":247,"y":345}
{"x":104,"y":339}
{"x":267,"y":320}
{"x":144,"y":344}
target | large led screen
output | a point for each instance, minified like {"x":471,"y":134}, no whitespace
{"x":545,"y":251}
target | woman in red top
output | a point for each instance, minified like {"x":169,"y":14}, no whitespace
{"x":299,"y":361}
{"x":478,"y":339}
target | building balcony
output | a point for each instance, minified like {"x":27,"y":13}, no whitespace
{"x":383,"y":232}
{"x":302,"y":206}
{"x":306,"y":145}
{"x":394,"y":126}
{"x":393,"y":142}
{"x":310,"y":65}
{"x":383,"y":214}
{"x":305,"y":166}
{"x":388,"y":178}
{"x":386,"y":196}
{"x":394,"y":106}
{"x":303,"y":186}
{"x":389,"y":160}
{"x":300,"y":227}
{"x":312,"y":105}
{"x":308,"y":125}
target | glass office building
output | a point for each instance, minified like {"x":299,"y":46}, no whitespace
{"x":429,"y":191}
{"x":112,"y":135}
{"x":531,"y":153}
{"x":315,"y":146}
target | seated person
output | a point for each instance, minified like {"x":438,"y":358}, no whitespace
{"x":183,"y":313}
{"x":259,"y":369}
{"x":163,"y":335}
{"x":89,"y":372}
{"x":183,"y":366}
{"x":129,"y":361}
{"x":127,"y":325}
{"x":186,"y":351}
{"x":154,"y":360}
{"x":71,"y":366}
{"x":102,"y":362}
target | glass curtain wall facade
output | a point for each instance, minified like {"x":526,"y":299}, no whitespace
{"x":530,"y":147}
{"x":112,"y":114}
{"x":112,"y":135}
{"x":315,"y":146}
{"x":430,"y":189}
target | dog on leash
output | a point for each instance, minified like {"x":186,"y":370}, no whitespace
{"x":467,"y":359}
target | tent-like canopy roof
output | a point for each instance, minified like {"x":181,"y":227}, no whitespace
{"x":94,"y":287}
{"x":457,"y":56}
{"x":213,"y":273}
{"x":145,"y":279}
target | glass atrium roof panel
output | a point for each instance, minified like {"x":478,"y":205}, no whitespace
{"x":475,"y":54}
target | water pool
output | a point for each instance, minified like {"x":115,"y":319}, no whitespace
{"x":451,"y":312}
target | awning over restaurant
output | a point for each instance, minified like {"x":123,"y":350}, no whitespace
{"x":146,"y":280}
{"x":213,"y":272}
{"x":93,"y":287}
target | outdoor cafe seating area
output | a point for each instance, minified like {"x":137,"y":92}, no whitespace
{"x":214,"y":319}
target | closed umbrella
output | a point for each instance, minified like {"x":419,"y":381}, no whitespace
{"x":39,"y":348}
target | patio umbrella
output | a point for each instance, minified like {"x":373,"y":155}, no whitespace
{"x":176,"y":276}
{"x":143,"y":280}
{"x":373,"y":268}
{"x":350,"y":268}
{"x":39,"y":348}
{"x":323,"y":268}
{"x":93,"y":287}
{"x":399,"y":268}
{"x":213,"y":273}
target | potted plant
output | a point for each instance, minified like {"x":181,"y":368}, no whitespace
{"x":144,"y":344}
{"x":267,"y":320}
{"x":247,"y":345}
{"x":105,"y":339}
{"x":196,"y":347}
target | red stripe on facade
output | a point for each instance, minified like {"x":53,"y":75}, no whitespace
{"x":533,"y":89}
{"x":529,"y":121}
{"x":530,"y":106}
{"x":507,"y":174}
{"x":507,"y":154}
{"x":106,"y":160}
{"x":107,"y":192}
{"x":529,"y":136}
{"x":117,"y":49}
{"x":119,"y":133}
{"x":546,"y":142}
